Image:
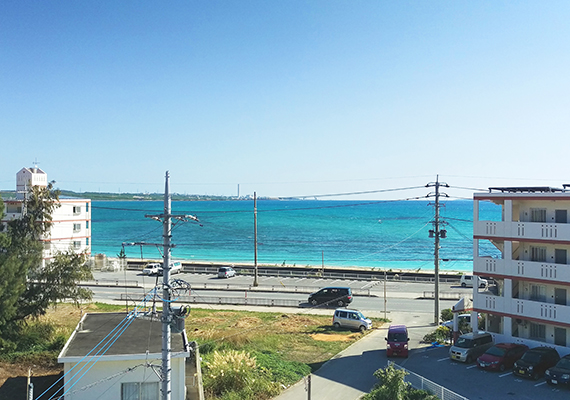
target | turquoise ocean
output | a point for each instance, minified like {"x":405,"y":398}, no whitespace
{"x":379,"y":234}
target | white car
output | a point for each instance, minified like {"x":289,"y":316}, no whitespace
{"x":226,"y":272}
{"x":468,"y":280}
{"x":460,"y":317}
{"x":152,"y":269}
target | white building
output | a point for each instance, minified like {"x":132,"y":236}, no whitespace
{"x":71,"y":227}
{"x":530,"y":302}
{"x":112,"y":357}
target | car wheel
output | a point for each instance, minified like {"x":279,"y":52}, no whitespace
{"x":463,"y":284}
{"x":362,"y":328}
{"x":340,"y":303}
{"x":502,"y":367}
{"x":314,"y":302}
{"x":336,"y":325}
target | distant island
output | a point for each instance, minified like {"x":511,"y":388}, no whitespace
{"x":11,"y":194}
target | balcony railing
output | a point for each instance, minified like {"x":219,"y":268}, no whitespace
{"x":522,"y":269}
{"x":522,"y":308}
{"x":522,"y":230}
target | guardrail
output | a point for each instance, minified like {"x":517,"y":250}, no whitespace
{"x":241,"y":301}
{"x":111,"y":282}
{"x":293,"y":273}
{"x":447,"y":295}
{"x":419,"y":382}
{"x":272,"y":288}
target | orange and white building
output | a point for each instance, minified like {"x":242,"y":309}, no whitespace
{"x":530,"y":302}
{"x":71,"y":227}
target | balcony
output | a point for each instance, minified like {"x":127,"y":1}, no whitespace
{"x":539,"y":231}
{"x":522,"y":269}
{"x":519,"y":308}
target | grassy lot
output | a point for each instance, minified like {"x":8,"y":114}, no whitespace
{"x":245,"y":354}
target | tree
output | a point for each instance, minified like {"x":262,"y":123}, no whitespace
{"x":26,"y":288}
{"x":391,"y":386}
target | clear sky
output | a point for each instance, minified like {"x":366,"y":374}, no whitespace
{"x":285,"y":98}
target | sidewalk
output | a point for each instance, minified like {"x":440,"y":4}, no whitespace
{"x":349,"y":374}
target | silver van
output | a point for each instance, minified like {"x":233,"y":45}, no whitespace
{"x":351,"y":319}
{"x":470,"y":346}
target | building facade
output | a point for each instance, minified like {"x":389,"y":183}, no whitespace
{"x":529,"y":303}
{"x":71,"y":221}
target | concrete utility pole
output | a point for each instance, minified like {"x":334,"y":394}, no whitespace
{"x":436,"y":233}
{"x":165,"y":218}
{"x":255,"y":282}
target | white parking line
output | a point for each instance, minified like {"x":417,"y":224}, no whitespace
{"x":472,"y":366}
{"x":540,"y":384}
{"x":443,"y":359}
{"x":507,"y":374}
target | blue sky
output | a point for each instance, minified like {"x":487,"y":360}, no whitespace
{"x":285,"y":98}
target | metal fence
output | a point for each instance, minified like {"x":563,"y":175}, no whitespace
{"x":242,"y":301}
{"x":309,"y":273}
{"x":419,"y":382}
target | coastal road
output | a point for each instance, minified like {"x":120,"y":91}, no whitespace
{"x":400,"y":296}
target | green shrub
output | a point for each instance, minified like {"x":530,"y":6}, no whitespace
{"x":440,"y":335}
{"x":447,"y":314}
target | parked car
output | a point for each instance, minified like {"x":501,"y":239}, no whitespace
{"x":468,"y":281}
{"x":397,"y":341}
{"x":175,"y":268}
{"x":152,"y":269}
{"x":351,"y":319}
{"x":536,"y":361}
{"x":226,"y":272}
{"x":340,"y":296}
{"x":501,"y":356}
{"x":470,"y":346}
{"x":560,"y":373}
{"x":461,"y":318}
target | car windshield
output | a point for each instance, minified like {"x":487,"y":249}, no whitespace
{"x":397,"y":337}
{"x":564,"y":363}
{"x":496,"y":351}
{"x":360,"y":315}
{"x":531,"y":357}
{"x":464,"y":342}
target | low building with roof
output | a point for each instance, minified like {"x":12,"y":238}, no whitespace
{"x":118,"y":356}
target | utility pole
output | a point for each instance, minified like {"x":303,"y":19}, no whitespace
{"x":255,"y":282}
{"x":436,"y":233}
{"x":165,"y":218}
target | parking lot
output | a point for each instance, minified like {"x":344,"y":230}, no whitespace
{"x":471,"y":382}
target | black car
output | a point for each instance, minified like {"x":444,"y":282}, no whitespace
{"x":535,"y":362}
{"x":336,"y":296}
{"x":560,"y":373}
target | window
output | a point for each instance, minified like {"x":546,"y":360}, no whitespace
{"x":76,"y":227}
{"x":537,"y":254}
{"x":86,"y":224}
{"x":47,"y":246}
{"x":76,"y":244}
{"x":76,"y":210}
{"x":86,"y":207}
{"x":538,"y":292}
{"x":538,"y":215}
{"x":87,"y":242}
{"x":139,"y":391}
{"x":537,"y":331}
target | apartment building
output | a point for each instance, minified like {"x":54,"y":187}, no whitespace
{"x":529,"y":303}
{"x":71,"y":227}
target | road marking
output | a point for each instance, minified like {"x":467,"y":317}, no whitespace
{"x":472,"y":366}
{"x":443,"y":359}
{"x":507,"y":374}
{"x":540,"y":384}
